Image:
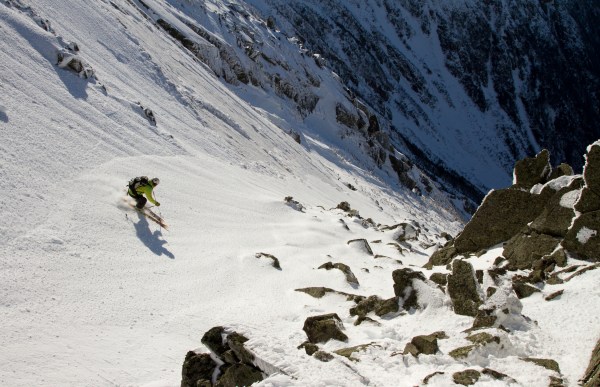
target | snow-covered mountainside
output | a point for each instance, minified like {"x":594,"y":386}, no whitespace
{"x":468,"y":86}
{"x":289,"y":194}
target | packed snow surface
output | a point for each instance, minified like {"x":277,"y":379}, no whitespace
{"x":93,"y":293}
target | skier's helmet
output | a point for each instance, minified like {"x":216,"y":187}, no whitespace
{"x":155,"y":181}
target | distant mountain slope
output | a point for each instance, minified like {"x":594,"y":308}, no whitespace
{"x":471,"y":86}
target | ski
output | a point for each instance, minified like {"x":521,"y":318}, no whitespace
{"x":151,"y":215}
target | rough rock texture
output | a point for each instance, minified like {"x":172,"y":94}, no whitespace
{"x":523,"y":290}
{"x":442,"y":256}
{"x":375,"y":304}
{"x":532,"y":170}
{"x":555,"y":219}
{"x":239,"y":375}
{"x":236,"y":362}
{"x":462,"y":288}
{"x":546,"y":363}
{"x":466,"y":377}
{"x":197,"y":367}
{"x":424,"y":344}
{"x":502,"y":214}
{"x":323,"y":328}
{"x":523,"y":249}
{"x":404,"y":288}
{"x":439,"y":278}
{"x":213,"y":339}
{"x":583,"y":238}
{"x":591,"y":378}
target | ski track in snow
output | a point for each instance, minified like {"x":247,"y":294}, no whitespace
{"x":94,"y":294}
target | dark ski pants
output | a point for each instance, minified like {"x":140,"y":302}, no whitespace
{"x":140,"y":199}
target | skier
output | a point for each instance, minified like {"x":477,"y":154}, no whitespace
{"x":140,"y":186}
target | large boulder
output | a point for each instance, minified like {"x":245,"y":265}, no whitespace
{"x":323,"y":328}
{"x":404,"y":288}
{"x":239,"y":375}
{"x":532,"y":170}
{"x":197,"y":368}
{"x":583,"y":238}
{"x":590,"y":197}
{"x":214,"y":339}
{"x":502,"y":214}
{"x":558,"y":213}
{"x":524,"y":249}
{"x":463,"y":288}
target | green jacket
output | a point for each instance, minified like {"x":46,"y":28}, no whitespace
{"x":146,"y":190}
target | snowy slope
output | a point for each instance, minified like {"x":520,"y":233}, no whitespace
{"x":94,"y":294}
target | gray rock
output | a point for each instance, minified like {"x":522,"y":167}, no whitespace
{"x":213,"y":339}
{"x":556,"y":219}
{"x":533,"y":170}
{"x":323,"y":356}
{"x":588,"y":201}
{"x":350,"y":277}
{"x":323,"y":328}
{"x":562,"y":170}
{"x":523,"y":289}
{"x":546,"y":363}
{"x":404,"y":288}
{"x":554,"y":295}
{"x":442,"y":256}
{"x":583,"y":238}
{"x":463,"y":288}
{"x":236,"y":343}
{"x":424,"y":344}
{"x":502,"y":214}
{"x":524,"y":249}
{"x":196,"y":367}
{"x":309,"y":348}
{"x":462,"y":352}
{"x":240,"y":375}
{"x":591,"y":172}
{"x":439,"y":278}
{"x":466,"y":377}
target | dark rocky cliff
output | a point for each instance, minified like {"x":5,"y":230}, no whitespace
{"x":530,"y":71}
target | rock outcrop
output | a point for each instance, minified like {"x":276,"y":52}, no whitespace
{"x":323,"y":328}
{"x":463,"y":289}
{"x":583,"y":237}
{"x":236,"y":365}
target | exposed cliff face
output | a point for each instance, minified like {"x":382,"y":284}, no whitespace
{"x":467,"y":82}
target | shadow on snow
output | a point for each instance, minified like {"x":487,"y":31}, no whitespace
{"x":152,"y":239}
